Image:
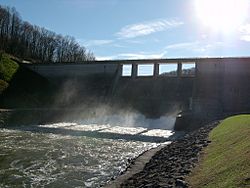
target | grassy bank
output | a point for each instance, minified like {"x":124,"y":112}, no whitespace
{"x":20,"y":87}
{"x":226,"y":161}
{"x":8,"y":69}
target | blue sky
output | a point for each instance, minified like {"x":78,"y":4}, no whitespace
{"x":139,"y":29}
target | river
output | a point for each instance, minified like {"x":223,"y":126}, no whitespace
{"x":75,"y":154}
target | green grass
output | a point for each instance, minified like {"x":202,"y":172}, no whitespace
{"x":7,"y":68}
{"x":3,"y":86}
{"x":226,"y":161}
{"x":21,"y":87}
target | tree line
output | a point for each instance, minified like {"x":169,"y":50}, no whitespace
{"x":27,"y":41}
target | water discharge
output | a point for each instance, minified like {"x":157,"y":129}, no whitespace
{"x":81,"y":154}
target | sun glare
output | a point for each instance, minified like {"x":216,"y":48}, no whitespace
{"x":222,"y":15}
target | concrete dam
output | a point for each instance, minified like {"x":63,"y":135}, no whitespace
{"x":203,"y":88}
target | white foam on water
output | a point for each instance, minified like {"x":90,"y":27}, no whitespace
{"x":107,"y":128}
{"x":159,"y":133}
{"x":124,"y":130}
{"x":45,"y":159}
{"x":132,"y":120}
{"x":52,"y":159}
{"x":58,"y":125}
{"x":91,"y":127}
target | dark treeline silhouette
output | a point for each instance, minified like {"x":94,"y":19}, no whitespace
{"x":27,"y":41}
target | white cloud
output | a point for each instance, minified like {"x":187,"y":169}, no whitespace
{"x":245,"y":32}
{"x":135,"y":41}
{"x":102,"y":58}
{"x":196,"y":46}
{"x":140,"y":55}
{"x":245,"y":38}
{"x":118,"y":45}
{"x":146,"y":28}
{"x":200,"y":48}
{"x":245,"y":28}
{"x":184,"y":45}
{"x":88,"y":43}
{"x":97,"y":42}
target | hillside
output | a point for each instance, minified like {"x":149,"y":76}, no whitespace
{"x":225,"y":162}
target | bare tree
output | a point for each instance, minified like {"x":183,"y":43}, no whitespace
{"x":28,"y":41}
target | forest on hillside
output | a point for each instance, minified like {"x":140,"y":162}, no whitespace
{"x":24,"y":40}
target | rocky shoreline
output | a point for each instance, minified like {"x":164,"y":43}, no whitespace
{"x":171,"y":164}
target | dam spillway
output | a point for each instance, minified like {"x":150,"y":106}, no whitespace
{"x":205,"y":87}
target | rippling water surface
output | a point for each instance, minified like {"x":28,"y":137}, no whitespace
{"x":70,"y":154}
